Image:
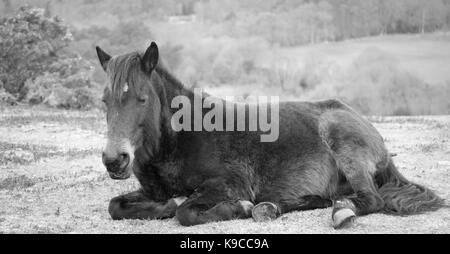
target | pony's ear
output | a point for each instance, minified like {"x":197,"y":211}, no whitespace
{"x":150,"y":59}
{"x":103,"y":57}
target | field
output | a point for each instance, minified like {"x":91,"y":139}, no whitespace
{"x":52,"y":179}
{"x":383,"y":75}
{"x":427,"y":56}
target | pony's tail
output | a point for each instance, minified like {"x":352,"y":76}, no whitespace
{"x":402,"y":197}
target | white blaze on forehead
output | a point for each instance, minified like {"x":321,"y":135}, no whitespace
{"x":125,"y":88}
{"x":179,"y":200}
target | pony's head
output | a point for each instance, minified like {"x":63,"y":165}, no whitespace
{"x":132,"y":99}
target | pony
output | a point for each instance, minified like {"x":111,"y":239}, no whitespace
{"x":326,"y":155}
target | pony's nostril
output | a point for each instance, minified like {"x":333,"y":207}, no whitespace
{"x":123,"y":156}
{"x":117,"y":163}
{"x":124,"y":160}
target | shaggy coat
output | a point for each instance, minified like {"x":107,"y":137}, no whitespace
{"x":326,"y":154}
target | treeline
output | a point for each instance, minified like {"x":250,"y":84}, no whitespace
{"x":293,"y":22}
{"x":281,"y":22}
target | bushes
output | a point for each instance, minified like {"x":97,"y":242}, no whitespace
{"x":284,"y":74}
{"x":6,"y":98}
{"x":227,"y":67}
{"x":195,"y":68}
{"x":126,"y":36}
{"x":74,"y":91}
{"x":222,"y":61}
{"x":375,"y":85}
{"x":36,"y":65}
{"x":67,"y":84}
{"x":29,"y":43}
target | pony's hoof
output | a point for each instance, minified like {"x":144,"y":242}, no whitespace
{"x":247,"y":206}
{"x":343,"y":218}
{"x":265,"y":211}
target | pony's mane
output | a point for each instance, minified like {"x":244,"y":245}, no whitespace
{"x":121,"y":69}
{"x":164,"y":73}
{"x":127,"y":68}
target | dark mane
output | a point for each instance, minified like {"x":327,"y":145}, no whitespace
{"x":121,"y":69}
{"x":127,"y":68}
{"x":164,"y":73}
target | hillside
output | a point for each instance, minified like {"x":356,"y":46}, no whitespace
{"x":395,"y":74}
{"x":428,"y":56}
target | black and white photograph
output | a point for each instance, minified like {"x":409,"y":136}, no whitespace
{"x":225,"y":117}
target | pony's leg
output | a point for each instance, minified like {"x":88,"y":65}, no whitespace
{"x":265,"y":211}
{"x":136,"y":205}
{"x":304,"y":185}
{"x":214,"y":201}
{"x":358,"y":169}
{"x":192,"y":213}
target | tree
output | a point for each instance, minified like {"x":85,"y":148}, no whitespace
{"x":37,"y":66}
{"x":29,"y":44}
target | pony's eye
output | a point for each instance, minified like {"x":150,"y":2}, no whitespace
{"x":142,"y":100}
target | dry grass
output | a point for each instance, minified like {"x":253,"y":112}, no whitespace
{"x":65,"y":189}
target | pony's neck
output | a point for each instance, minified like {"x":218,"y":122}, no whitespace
{"x":172,"y":86}
{"x":169,"y":88}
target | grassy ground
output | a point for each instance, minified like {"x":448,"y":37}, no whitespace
{"x":52,"y":179}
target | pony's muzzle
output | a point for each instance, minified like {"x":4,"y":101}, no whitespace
{"x":116,"y":165}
